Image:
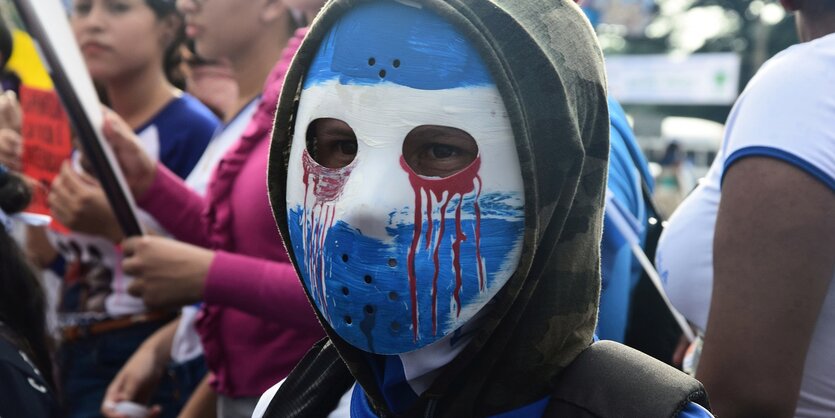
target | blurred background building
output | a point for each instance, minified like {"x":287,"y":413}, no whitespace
{"x":678,"y":65}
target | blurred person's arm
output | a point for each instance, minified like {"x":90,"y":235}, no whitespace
{"x":139,"y":377}
{"x":170,"y":273}
{"x":79,"y":202}
{"x":167,"y":273}
{"x":11,"y":142}
{"x":39,"y":250}
{"x":202,"y":403}
{"x":11,"y":148}
{"x":773,"y":262}
{"x":157,"y":190}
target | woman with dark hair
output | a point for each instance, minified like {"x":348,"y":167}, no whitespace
{"x":26,"y":384}
{"x":131,"y":49}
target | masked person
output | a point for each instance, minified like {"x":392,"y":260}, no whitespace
{"x":438,"y":173}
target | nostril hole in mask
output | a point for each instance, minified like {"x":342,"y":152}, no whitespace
{"x":396,"y":64}
{"x":382,"y":73}
{"x":371,"y":62}
{"x":345,"y":291}
{"x":439,"y":151}
{"x":348,"y":320}
{"x":368,"y":279}
{"x":369,"y":309}
{"x":395,"y":326}
{"x":392,"y":296}
{"x":392,"y":262}
{"x":331,"y":142}
{"x":345,"y":258}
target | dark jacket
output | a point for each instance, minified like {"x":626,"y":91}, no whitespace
{"x":24,"y":391}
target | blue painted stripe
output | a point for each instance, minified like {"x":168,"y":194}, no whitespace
{"x":694,"y":410}
{"x":369,"y":256}
{"x":392,"y":42}
{"x":785,"y":156}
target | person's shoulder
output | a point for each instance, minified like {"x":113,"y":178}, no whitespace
{"x":783,"y":114}
{"x":11,"y":358}
{"x":23,"y":392}
{"x":193,"y":113}
{"x":795,"y":75}
{"x":186,"y":122}
{"x":621,"y":378}
{"x":818,"y":51}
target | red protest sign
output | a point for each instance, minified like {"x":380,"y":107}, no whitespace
{"x":47,"y":141}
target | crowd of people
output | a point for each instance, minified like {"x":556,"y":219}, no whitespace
{"x":430,"y":208}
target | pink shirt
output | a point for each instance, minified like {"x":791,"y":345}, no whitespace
{"x":256,"y":322}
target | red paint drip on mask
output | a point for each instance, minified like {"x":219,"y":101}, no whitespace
{"x":436,"y":261}
{"x":443,"y":190}
{"x":327,"y":185}
{"x":477,"y":210}
{"x":456,"y":256}
{"x":429,"y":224}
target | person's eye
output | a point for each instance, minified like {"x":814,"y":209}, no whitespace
{"x":117,"y":7}
{"x":439,"y":151}
{"x":331,"y":142}
{"x":442,"y":151}
{"x":348,"y":147}
{"x":82,"y":8}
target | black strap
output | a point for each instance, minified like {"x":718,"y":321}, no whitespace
{"x":611,"y":380}
{"x":315,"y":385}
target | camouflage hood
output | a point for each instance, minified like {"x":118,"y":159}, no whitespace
{"x":549,"y":70}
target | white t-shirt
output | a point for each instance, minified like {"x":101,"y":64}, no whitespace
{"x":186,"y":344}
{"x":108,"y":295}
{"x":787,"y":112}
{"x":94,"y":286}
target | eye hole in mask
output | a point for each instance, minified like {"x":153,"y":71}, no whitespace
{"x":429,"y":150}
{"x":438,"y":151}
{"x":331,"y":142}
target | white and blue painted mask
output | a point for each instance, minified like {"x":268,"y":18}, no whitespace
{"x":395,"y":255}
